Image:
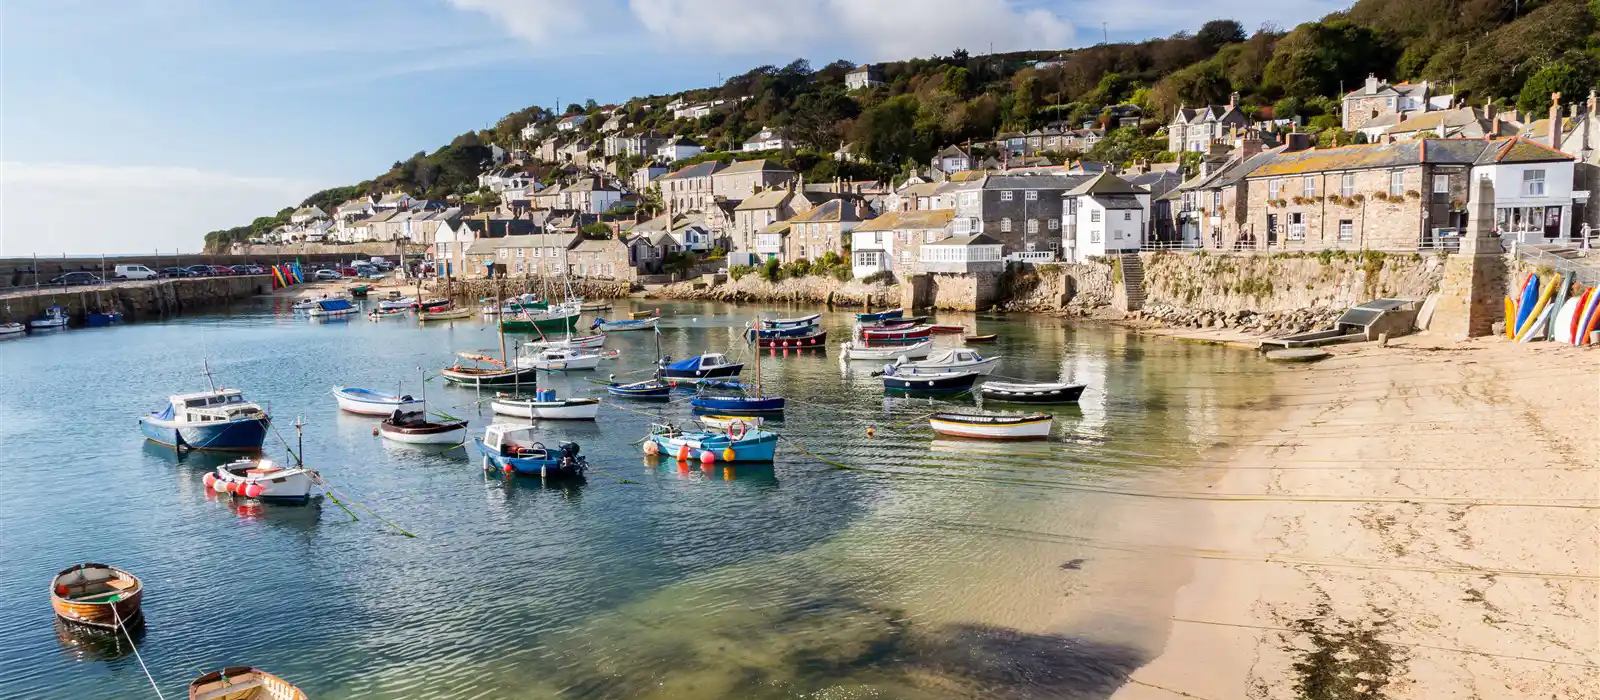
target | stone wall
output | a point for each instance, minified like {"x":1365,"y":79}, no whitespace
{"x":814,"y":289}
{"x":974,"y":291}
{"x":474,"y":289}
{"x":1064,"y":287}
{"x":136,"y":300}
{"x":344,"y":251}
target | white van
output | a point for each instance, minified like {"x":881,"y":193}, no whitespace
{"x":134,"y":272}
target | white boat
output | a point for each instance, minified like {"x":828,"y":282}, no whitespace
{"x":560,"y":360}
{"x":948,"y":360}
{"x":53,"y":317}
{"x":582,"y":341}
{"x":401,"y":303}
{"x":338,"y":307}
{"x":726,"y":422}
{"x":853,"y":350}
{"x":373,"y":403}
{"x":12,"y":329}
{"x":304,"y":305}
{"x":262,"y":479}
{"x":641,"y":324}
{"x":547,"y":407}
{"x":218,"y":420}
{"x":415,"y":428}
{"x":992,"y":426}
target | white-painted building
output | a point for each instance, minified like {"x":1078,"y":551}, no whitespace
{"x":766,"y":140}
{"x":395,"y":201}
{"x":530,"y":133}
{"x":571,"y":123}
{"x":306,"y":215}
{"x":1533,"y":193}
{"x":1103,"y":216}
{"x":678,"y":148}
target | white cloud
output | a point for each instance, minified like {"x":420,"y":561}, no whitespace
{"x":135,"y":208}
{"x":871,"y":30}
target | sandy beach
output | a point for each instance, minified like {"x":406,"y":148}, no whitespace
{"x":1414,"y":521}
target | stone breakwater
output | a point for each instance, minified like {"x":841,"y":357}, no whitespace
{"x":510,"y":286}
{"x":134,"y":300}
{"x":816,"y":289}
{"x":1253,"y":322}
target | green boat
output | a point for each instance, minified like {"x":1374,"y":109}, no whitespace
{"x":557,"y":320}
{"x":360,"y":291}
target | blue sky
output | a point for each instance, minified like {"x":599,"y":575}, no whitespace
{"x":141,"y":124}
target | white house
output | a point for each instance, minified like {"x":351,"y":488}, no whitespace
{"x":863,"y":77}
{"x":1103,"y":216}
{"x":679,"y":147}
{"x":952,"y":160}
{"x":395,"y":201}
{"x":766,"y":140}
{"x":645,"y":174}
{"x":317,"y":231}
{"x":530,"y":133}
{"x":449,"y":251}
{"x":571,"y":123}
{"x":360,"y":206}
{"x":891,"y":241}
{"x":962,"y":254}
{"x":1532,"y":189}
{"x":305,"y":215}
{"x":591,"y":195}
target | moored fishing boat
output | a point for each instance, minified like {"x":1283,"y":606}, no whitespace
{"x":1032,"y":426}
{"x":433,"y":304}
{"x":897,"y":322}
{"x":413,"y":427}
{"x":243,"y":683}
{"x":102,"y":318}
{"x":369,"y":402}
{"x":512,"y":449}
{"x":799,"y":322}
{"x":304,"y":305}
{"x":880,"y":315}
{"x":217,"y":420}
{"x":817,"y":338}
{"x":494,"y":374}
{"x":546,"y":406}
{"x":736,"y":444}
{"x":98,"y":595}
{"x":380,"y":313}
{"x":708,"y":366}
{"x":559,"y":318}
{"x":979,"y":338}
{"x":733,"y":397}
{"x":647,"y":389}
{"x":12,"y":329}
{"x":647,"y":313}
{"x":942,"y":382}
{"x":332,"y":308}
{"x":906,"y":334}
{"x":642,"y":324}
{"x":947,"y":328}
{"x":359,"y":291}
{"x":583,"y":341}
{"x":559,"y":359}
{"x":948,"y":360}
{"x":445,"y":314}
{"x":1034,"y":393}
{"x":262,"y":479}
{"x":853,"y":350}
{"x":53,"y":317}
{"x":404,"y":303}
{"x":785,"y":332}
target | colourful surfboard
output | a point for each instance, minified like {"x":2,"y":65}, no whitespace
{"x":1536,"y":330}
{"x":1591,"y":319}
{"x":1511,"y":317}
{"x":1525,"y":301}
{"x":1577,"y":316}
{"x":1528,"y":331}
{"x":1559,"y":302}
{"x":1561,"y":323}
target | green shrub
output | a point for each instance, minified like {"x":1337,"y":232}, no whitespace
{"x":739,"y":271}
{"x":879,"y":277}
{"x":771,"y":271}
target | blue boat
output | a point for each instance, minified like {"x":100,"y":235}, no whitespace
{"x":219,"y":420}
{"x":939,"y":382}
{"x":801,"y":322}
{"x":881,"y":315}
{"x":707,"y":366}
{"x":785,"y":332}
{"x":511,"y":449}
{"x":333,"y":308}
{"x":735,"y":445}
{"x":98,"y":318}
{"x":647,"y":389}
{"x":737,"y":404}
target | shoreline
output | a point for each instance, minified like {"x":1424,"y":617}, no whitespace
{"x":1410,"y":521}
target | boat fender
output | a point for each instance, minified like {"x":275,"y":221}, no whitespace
{"x":683,"y":453}
{"x":209,"y":480}
{"x":728,"y":454}
{"x":707,"y":458}
{"x":870,"y":431}
{"x":253,"y":490}
{"x":651,"y":448}
{"x":508,"y":469}
{"x":374,"y":431}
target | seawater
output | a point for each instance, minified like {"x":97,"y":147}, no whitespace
{"x":902,"y":565}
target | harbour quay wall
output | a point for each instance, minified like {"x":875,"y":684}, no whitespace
{"x":136,"y":300}
{"x":811,"y":289}
{"x":21,"y":272}
{"x":472,"y":289}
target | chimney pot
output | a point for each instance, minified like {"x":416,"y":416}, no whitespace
{"x":1555,"y":120}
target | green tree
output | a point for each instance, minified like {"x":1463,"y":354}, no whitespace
{"x":596,"y":230}
{"x":958,"y":81}
{"x":1217,"y":33}
{"x":1316,"y":56}
{"x":1122,"y":146}
{"x":1025,"y":102}
{"x":1287,"y":108}
{"x":886,"y":133}
{"x":1571,"y":81}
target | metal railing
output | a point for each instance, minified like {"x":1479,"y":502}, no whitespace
{"x":1584,"y":268}
{"x":1170,"y":245}
{"x":1033,"y":257}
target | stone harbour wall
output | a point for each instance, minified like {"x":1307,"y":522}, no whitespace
{"x":474,"y":289}
{"x":1078,"y":288}
{"x":135,"y":300}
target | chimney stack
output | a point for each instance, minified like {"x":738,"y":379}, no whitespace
{"x":1233,"y":100}
{"x":1594,"y":104}
{"x":1555,"y":120}
{"x":1372,"y":83}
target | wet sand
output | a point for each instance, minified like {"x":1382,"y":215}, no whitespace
{"x":1414,"y":521}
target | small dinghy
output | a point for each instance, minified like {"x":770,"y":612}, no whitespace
{"x":898,"y":322}
{"x":304,"y":305}
{"x":434,"y":304}
{"x":263,"y":480}
{"x":444,"y":313}
{"x":494,"y":374}
{"x":545,"y":406}
{"x":1032,"y":426}
{"x":359,"y":291}
{"x":332,"y":308}
{"x":817,"y":338}
{"x":785,"y":332}
{"x":927,"y":382}
{"x":905,"y":334}
{"x":647,"y":389}
{"x":733,"y":397}
{"x":979,"y":338}
{"x":242,"y":683}
{"x":413,"y":427}
{"x":595,"y":308}
{"x":736,"y":444}
{"x":52,"y":317}
{"x":402,"y":303}
{"x":380,"y":314}
{"x":12,"y":329}
{"x":560,"y":360}
{"x":368,"y":402}
{"x":97,"y":595}
{"x":851,"y":350}
{"x":648,"y":313}
{"x":947,"y":328}
{"x":708,"y":366}
{"x":641,"y":324}
{"x":880,"y":315}
{"x":1040,"y":393}
{"x":511,"y":449}
{"x":801,"y":322}
{"x":949,"y":360}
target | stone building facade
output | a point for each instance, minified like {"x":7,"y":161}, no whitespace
{"x":745,"y":178}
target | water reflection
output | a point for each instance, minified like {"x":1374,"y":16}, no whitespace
{"x":84,"y":643}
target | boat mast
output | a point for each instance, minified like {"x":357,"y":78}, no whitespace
{"x":299,"y":442}
{"x":205,"y":368}
{"x":758,"y":355}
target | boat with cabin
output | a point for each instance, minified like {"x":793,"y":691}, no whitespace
{"x":555,"y":318}
{"x":949,"y":360}
{"x":1033,"y":426}
{"x":218,"y":420}
{"x":370,"y":402}
{"x":53,"y":317}
{"x":711,"y":365}
{"x":332,"y":308}
{"x":1031,"y":393}
{"x":512,"y":449}
{"x":97,"y":595}
{"x":243,"y":683}
{"x":855,"y":350}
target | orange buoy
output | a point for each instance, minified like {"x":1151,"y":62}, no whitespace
{"x":683,"y":453}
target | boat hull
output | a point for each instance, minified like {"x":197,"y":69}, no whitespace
{"x":643,"y":324}
{"x":732,"y":370}
{"x":640,"y":390}
{"x":983,"y":367}
{"x":521,"y":375}
{"x":585,"y":341}
{"x":446,"y":436}
{"x":525,"y":325}
{"x":908,"y":335}
{"x":881,"y":315}
{"x":817,"y":339}
{"x":737,"y":404}
{"x":569,"y":409}
{"x":284,"y":485}
{"x":451,"y":315}
{"x":107,"y":614}
{"x":852,"y":351}
{"x":221,"y":685}
{"x":368,"y":405}
{"x":572,"y":364}
{"x":245,"y":435}
{"x":547,"y":468}
{"x":1033,"y":429}
{"x":779,"y":323}
{"x":781,"y":332}
{"x":930,"y":383}
{"x":1037,"y":395}
{"x":758,"y":446}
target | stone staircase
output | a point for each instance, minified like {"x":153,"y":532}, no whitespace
{"x":1132,"y":281}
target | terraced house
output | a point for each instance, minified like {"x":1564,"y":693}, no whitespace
{"x":1022,"y":212}
{"x":821,"y":229}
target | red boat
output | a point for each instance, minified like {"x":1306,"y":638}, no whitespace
{"x":947,"y":328}
{"x":896,"y":335}
{"x":819,"y":339}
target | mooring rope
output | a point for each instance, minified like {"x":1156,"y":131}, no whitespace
{"x":118,"y":617}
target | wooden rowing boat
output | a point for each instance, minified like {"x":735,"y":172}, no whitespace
{"x":445,"y":314}
{"x":242,"y":683}
{"x":645,"y":314}
{"x":98,"y":595}
{"x":980,"y":338}
{"x":1034,"y":393}
{"x":947,"y":328}
{"x":1032,"y":426}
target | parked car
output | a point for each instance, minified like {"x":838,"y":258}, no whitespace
{"x":133,"y":272}
{"x":199,"y":270}
{"x":249,"y":270}
{"x":72,"y":278}
{"x":172,"y":272}
{"x":349,"y":272}
{"x":222,"y":271}
{"x":327,"y":274}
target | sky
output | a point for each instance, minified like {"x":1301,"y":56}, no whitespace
{"x":138,"y":125}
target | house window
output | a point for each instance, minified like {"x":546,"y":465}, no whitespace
{"x":1308,"y":187}
{"x":1347,"y":230}
{"x":1033,"y":196}
{"x":538,"y":253}
{"x":1347,"y":184}
{"x":1127,"y":216}
{"x":1533,"y":183}
{"x":1397,"y":183}
{"x":1054,"y":224}
{"x":1005,"y":225}
{"x":1033,"y":225}
{"x":1005,"y":195}
{"x":1274,"y":187}
{"x":1094,"y":216}
{"x":1094,"y":236}
{"x":1441,"y":184}
{"x":502,"y":254}
{"x":1297,"y":226}
{"x":905,"y":256}
{"x":520,"y":252}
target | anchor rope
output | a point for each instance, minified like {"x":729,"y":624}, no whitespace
{"x":136,"y":655}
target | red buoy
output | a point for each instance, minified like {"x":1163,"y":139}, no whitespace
{"x":208,"y":479}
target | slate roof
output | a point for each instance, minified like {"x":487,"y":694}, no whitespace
{"x":1404,"y":153}
{"x":538,"y":240}
{"x":934,"y":218}
{"x":758,"y":165}
{"x":1117,"y":201}
{"x":830,"y":211}
{"x":771,"y":199}
{"x":596,"y":245}
{"x":498,"y":228}
{"x":1105,"y":184}
{"x":705,"y":169}
{"x":1519,"y":150}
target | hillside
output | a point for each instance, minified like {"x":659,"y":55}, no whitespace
{"x":1501,"y":51}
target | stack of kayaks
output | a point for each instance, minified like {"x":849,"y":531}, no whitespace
{"x":1554,"y":311}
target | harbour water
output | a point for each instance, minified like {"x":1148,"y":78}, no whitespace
{"x":895,"y":566}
